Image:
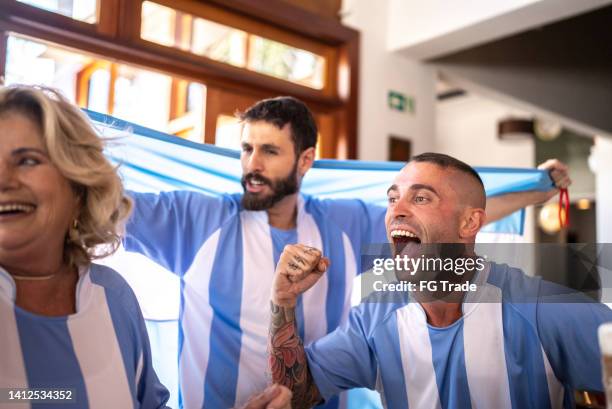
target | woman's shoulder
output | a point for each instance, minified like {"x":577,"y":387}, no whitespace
{"x":115,"y":286}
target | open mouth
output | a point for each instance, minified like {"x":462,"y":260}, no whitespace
{"x":255,"y":184}
{"x":402,"y":238}
{"x":14,"y":209}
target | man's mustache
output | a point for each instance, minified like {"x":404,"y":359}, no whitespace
{"x":249,"y":177}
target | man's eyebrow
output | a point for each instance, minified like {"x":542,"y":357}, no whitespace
{"x":21,"y":151}
{"x":419,"y":186}
{"x":392,"y":188}
{"x":270,"y":146}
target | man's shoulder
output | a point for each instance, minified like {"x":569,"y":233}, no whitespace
{"x":115,"y":286}
{"x":515,"y":285}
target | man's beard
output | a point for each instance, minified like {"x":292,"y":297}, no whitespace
{"x":280,"y":189}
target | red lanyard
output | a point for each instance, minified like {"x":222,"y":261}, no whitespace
{"x":564,"y":208}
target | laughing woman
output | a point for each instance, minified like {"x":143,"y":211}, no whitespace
{"x":66,"y":323}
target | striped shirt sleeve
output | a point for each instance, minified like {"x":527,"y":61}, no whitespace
{"x":170,"y":227}
{"x":343,"y":359}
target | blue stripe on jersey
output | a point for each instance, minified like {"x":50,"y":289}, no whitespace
{"x":225,"y":294}
{"x":522,"y":346}
{"x":38,"y":336}
{"x":524,"y":360}
{"x":280,"y":238}
{"x":449,"y":365}
{"x":117,"y":308}
{"x":386,"y":344}
{"x":181,"y":337}
{"x":333,"y":248}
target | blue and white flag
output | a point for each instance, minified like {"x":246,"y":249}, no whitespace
{"x":151,"y":161}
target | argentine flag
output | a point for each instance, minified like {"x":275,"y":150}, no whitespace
{"x":151,"y":161}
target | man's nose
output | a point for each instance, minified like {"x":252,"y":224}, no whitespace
{"x":255,"y":162}
{"x":402,"y":208}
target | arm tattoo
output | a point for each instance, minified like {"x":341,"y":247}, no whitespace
{"x":287,"y":358}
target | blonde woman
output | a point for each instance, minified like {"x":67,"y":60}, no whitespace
{"x":71,"y":330}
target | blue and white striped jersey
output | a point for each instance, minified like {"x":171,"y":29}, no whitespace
{"x":226,"y":258}
{"x":529,"y":349}
{"x":101,"y":352}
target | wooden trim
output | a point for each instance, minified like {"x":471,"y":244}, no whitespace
{"x":349,"y":93}
{"x":3,"y":49}
{"x":253,"y":27}
{"x":126,"y":46}
{"x":166,"y":60}
{"x":291,"y":18}
{"x":178,"y":98}
{"x":108,"y":17}
{"x":11,"y":9}
{"x":130,"y":15}
{"x":82,"y":81}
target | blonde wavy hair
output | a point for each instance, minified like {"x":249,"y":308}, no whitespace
{"x":76,"y":149}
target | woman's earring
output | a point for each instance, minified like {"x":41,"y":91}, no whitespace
{"x":73,"y":233}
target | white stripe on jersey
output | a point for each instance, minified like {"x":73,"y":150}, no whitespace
{"x":313,"y":300}
{"x":103,"y":374}
{"x":350,"y":271}
{"x":139,"y":367}
{"x":419,"y":373}
{"x":13,"y":373}
{"x":555,"y":388}
{"x":258,"y":274}
{"x":483,"y":343}
{"x":196,"y":323}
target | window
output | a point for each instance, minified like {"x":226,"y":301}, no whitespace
{"x":177,"y":65}
{"x":286,"y":62}
{"x":173,"y":28}
{"x":124,"y":91}
{"x":83,"y":10}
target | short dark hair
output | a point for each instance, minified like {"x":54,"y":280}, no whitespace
{"x":446,"y":161}
{"x":280,"y":111}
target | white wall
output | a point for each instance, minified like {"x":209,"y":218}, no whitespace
{"x":602,"y":166}
{"x":466,"y":128}
{"x":425,"y":29}
{"x":382,"y":71}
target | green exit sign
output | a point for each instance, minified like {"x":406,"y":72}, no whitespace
{"x":400,"y":102}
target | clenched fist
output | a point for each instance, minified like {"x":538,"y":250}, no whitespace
{"x":559,"y":173}
{"x":298,"y":269}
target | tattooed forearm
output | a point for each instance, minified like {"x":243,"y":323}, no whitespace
{"x":287,"y":357}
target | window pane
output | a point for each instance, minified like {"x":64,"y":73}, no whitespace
{"x":84,"y":10}
{"x":286,"y":62}
{"x":35,"y":62}
{"x":172,"y":28}
{"x":166,"y":26}
{"x":140,"y":96}
{"x":219,"y":42}
{"x":99,"y":90}
{"x":158,"y":24}
{"x":228,"y":132}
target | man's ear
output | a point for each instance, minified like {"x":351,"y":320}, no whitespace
{"x":472,"y":221}
{"x":306,"y":160}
